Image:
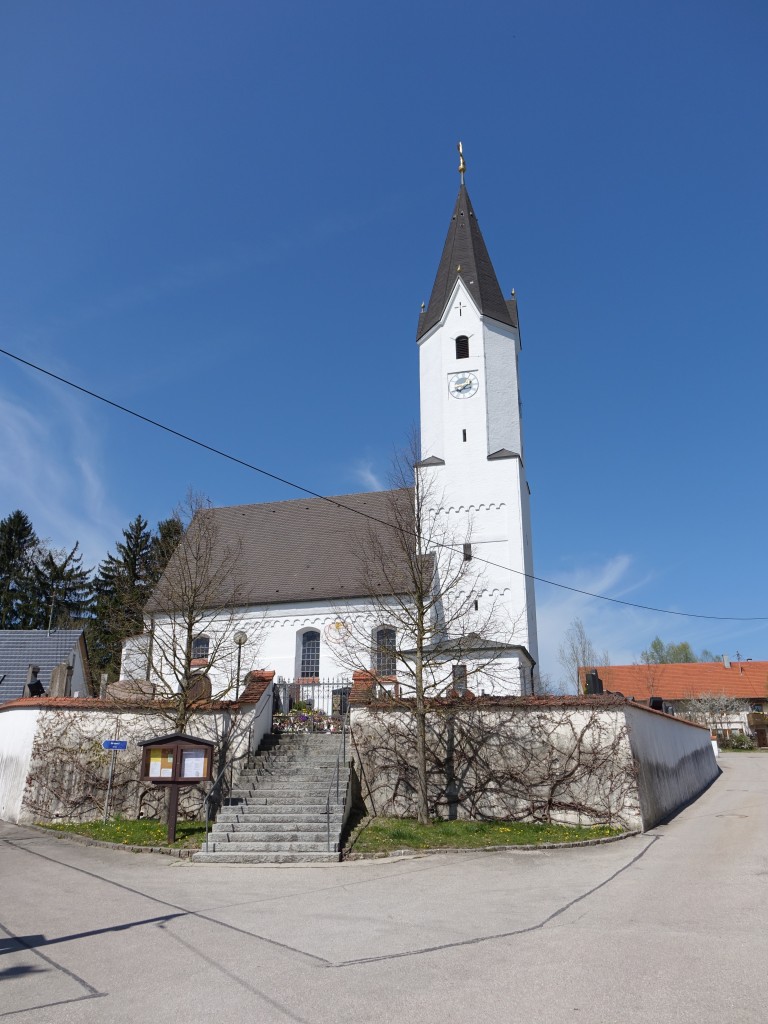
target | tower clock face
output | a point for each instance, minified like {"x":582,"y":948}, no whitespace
{"x":462,"y":385}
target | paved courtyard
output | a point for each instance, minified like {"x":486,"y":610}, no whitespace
{"x":669,"y":926}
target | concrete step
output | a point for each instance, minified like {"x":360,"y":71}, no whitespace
{"x":280,"y":807}
{"x":282,"y":817}
{"x":308,"y":741}
{"x":316,"y":795}
{"x":261,"y":847}
{"x":263,"y":836}
{"x":275,"y":827}
{"x":297,"y":802}
{"x":277,"y":812}
{"x":281,"y":814}
{"x":297,"y":767}
{"x":265,"y":858}
{"x":280,"y":784}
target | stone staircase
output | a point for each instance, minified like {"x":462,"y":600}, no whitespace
{"x":276,"y":813}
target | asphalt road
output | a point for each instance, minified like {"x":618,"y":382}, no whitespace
{"x":669,"y":926}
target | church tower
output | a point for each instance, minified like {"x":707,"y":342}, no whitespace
{"x":471,"y":428}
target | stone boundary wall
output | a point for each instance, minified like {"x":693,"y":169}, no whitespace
{"x":675,"y":761}
{"x":55,"y":769}
{"x":17,"y":735}
{"x":585,"y":761}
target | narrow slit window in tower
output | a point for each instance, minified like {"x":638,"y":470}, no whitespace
{"x":462,"y":347}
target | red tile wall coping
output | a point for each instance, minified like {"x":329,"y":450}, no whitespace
{"x":255,"y":685}
{"x":361,"y":697}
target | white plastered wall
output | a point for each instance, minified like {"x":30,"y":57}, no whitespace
{"x":274,"y":642}
{"x":17,"y":734}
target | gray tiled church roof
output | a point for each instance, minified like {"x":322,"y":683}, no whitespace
{"x":20,"y":648}
{"x":303,"y":550}
{"x":464,"y":247}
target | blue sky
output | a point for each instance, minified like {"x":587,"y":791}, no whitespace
{"x":226,"y":216}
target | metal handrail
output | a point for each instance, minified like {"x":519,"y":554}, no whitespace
{"x":208,"y":798}
{"x":341,"y":757}
{"x":230,"y":764}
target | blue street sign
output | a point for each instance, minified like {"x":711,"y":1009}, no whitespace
{"x":114,"y":744}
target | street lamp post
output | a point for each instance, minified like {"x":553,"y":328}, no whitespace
{"x":240,"y":638}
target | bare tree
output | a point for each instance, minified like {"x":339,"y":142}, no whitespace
{"x":552,"y":761}
{"x":577,"y":651}
{"x":715,"y":710}
{"x":195,"y":638}
{"x":427,"y":629}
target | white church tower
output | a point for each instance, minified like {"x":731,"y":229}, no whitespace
{"x":471,"y":430}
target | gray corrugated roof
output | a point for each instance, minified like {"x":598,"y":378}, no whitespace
{"x":20,"y":648}
{"x":303,"y":550}
{"x":464,"y":247}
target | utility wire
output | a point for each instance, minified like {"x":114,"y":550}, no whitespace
{"x":359,"y":512}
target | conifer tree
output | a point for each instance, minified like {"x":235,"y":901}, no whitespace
{"x":62,"y":591}
{"x":123,"y":584}
{"x":19,"y":549}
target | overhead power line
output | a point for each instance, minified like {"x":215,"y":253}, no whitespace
{"x":365,"y":515}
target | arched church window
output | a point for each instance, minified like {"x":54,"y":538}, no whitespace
{"x":462,"y":347}
{"x":310,"y":654}
{"x":386,"y":662}
{"x":200,"y":648}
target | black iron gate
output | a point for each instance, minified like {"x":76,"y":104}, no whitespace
{"x":310,"y":705}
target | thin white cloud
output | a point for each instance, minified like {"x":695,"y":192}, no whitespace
{"x":614,"y":628}
{"x":50,"y":467}
{"x":622,"y":631}
{"x":368,"y":476}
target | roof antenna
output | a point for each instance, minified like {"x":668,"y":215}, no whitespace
{"x":462,"y":165}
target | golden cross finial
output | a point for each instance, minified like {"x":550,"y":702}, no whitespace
{"x":462,"y":165}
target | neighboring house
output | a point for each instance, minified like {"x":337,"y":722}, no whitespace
{"x":58,"y":661}
{"x":297,"y":582}
{"x":731,"y":695}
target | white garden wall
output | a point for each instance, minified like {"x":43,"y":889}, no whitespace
{"x":675,"y":761}
{"x":17,"y":734}
{"x":53,"y":767}
{"x":569,"y":760}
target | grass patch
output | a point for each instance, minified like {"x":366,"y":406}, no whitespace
{"x":145,"y":832}
{"x":383,"y":835}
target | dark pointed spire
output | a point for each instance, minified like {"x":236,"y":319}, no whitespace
{"x":465,"y":256}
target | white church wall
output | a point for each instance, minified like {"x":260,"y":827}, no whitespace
{"x":134,"y":658}
{"x":443,"y":418}
{"x":526,"y":544}
{"x":504,"y":419}
{"x":274,"y":642}
{"x":347,"y":642}
{"x":484,"y":502}
{"x":484,"y":508}
{"x":431,"y":427}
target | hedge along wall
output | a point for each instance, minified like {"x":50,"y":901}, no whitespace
{"x":62,"y":770}
{"x":524,"y":759}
